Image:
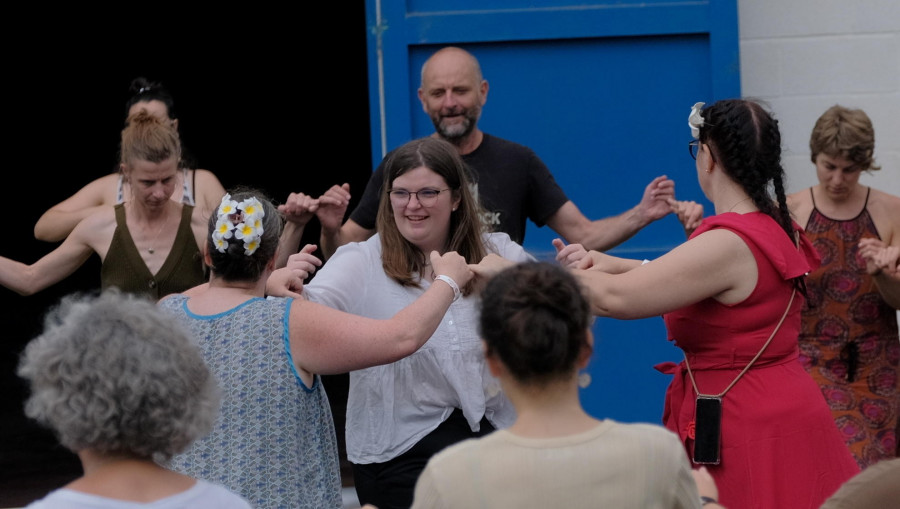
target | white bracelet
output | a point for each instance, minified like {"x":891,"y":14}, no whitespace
{"x":449,"y":280}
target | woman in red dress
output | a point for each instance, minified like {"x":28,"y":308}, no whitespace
{"x":731,"y":298}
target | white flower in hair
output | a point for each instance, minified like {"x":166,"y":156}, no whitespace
{"x":695,"y":120}
{"x":224,"y":226}
{"x":243,"y":221}
{"x":220,"y":244}
{"x":252,"y":209}
{"x":228,"y":206}
{"x":246,"y":232}
{"x":257,"y":225}
{"x":250,"y":247}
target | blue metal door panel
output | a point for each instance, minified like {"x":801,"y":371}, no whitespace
{"x":601,"y":92}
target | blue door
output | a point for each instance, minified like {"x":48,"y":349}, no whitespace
{"x":601,"y":91}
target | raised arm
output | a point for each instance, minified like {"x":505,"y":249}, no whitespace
{"x":208,"y":192}
{"x":603,"y":234}
{"x":335,"y":232}
{"x":59,"y":221}
{"x":298,"y":210}
{"x":326,"y":341}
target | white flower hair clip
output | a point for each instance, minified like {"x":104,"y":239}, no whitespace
{"x":696,"y":120}
{"x":243,"y":221}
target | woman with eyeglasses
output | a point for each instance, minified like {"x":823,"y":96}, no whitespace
{"x":400,"y":414}
{"x":731,"y":298}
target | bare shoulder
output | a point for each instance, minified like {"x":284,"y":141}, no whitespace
{"x":208,"y":188}
{"x":800,"y":205}
{"x":96,"y":230}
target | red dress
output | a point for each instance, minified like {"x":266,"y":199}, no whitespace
{"x":780,"y":446}
{"x":849,"y":339}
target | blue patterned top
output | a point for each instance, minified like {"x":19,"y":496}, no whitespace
{"x":274,"y":441}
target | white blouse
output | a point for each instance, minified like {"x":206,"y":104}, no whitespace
{"x":391,"y":407}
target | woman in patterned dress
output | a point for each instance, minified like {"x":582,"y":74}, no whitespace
{"x":849,"y":341}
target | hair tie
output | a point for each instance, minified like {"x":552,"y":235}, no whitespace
{"x":243,"y":221}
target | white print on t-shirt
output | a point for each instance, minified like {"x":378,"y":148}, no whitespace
{"x":489,"y":218}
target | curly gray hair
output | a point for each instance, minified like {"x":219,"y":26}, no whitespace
{"x":113,"y":374}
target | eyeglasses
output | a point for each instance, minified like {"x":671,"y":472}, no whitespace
{"x":694,"y":149}
{"x":426,"y":197}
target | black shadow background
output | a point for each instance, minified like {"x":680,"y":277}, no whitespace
{"x":262,"y":102}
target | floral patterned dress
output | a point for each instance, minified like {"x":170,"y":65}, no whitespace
{"x":849,"y":341}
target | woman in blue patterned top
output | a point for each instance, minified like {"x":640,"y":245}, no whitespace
{"x":274,"y":442}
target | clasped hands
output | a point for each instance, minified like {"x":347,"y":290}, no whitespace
{"x":880,"y":257}
{"x":329,"y":208}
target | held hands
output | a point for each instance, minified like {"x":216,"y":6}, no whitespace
{"x":879,"y":257}
{"x":332,"y":207}
{"x":690,"y":213}
{"x":654,"y":203}
{"x":299,"y":208}
{"x":452,"y":264}
{"x":602,"y":262}
{"x":288,"y":281}
{"x":569,"y":256}
{"x":490,"y":266}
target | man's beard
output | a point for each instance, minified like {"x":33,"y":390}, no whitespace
{"x":456,"y":132}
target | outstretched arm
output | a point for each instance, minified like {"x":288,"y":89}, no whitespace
{"x":603,"y":234}
{"x":715,"y":264}
{"x":53,"y":267}
{"x":325,"y":340}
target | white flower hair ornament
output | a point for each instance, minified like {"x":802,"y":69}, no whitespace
{"x":243,"y":221}
{"x":696,"y":120}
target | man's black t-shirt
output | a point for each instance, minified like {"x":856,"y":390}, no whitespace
{"x":511,"y":181}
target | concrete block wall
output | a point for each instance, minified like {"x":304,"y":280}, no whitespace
{"x":803,"y":56}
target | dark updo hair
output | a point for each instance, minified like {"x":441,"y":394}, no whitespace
{"x":144,"y":90}
{"x":535,"y":319}
{"x":746,"y":143}
{"x":233,"y":264}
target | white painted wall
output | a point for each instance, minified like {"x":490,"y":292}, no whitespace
{"x":803,"y":56}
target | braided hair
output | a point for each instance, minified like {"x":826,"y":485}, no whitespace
{"x":745,"y":141}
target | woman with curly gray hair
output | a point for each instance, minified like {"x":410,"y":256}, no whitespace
{"x":122,"y":386}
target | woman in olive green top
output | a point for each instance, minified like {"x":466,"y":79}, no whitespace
{"x":149,"y":244}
